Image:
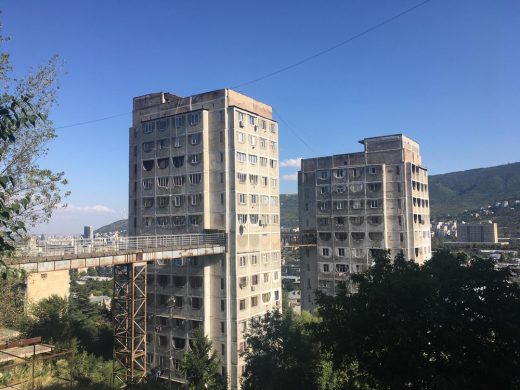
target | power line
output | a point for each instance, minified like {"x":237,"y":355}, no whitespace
{"x":292,"y":130}
{"x":325,"y":51}
{"x":92,"y":121}
{"x":284,"y":69}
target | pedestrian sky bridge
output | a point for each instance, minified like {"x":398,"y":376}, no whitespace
{"x":129,"y":257}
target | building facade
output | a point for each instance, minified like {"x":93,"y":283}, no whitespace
{"x":203,"y":164}
{"x":356,"y":202}
{"x":478,"y":232}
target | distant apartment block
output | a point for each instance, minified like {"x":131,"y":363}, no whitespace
{"x":202,"y":164}
{"x":357,"y":202}
{"x":478,"y":232}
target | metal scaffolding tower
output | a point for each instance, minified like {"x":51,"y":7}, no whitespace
{"x":129,"y":314}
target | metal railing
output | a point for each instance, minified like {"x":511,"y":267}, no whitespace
{"x":83,"y":246}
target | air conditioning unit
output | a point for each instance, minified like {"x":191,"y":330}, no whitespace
{"x":256,"y":127}
{"x":241,"y":123}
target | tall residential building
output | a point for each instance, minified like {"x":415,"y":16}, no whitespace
{"x":477,"y":232}
{"x":375,"y":199}
{"x":201,"y":164}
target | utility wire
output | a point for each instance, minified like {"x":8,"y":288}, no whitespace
{"x":286,"y":68}
{"x":295,"y":133}
{"x":325,"y":51}
{"x":92,"y":121}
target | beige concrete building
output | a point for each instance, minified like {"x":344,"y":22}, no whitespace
{"x":356,"y":202}
{"x":206,"y":163}
{"x":477,"y":232}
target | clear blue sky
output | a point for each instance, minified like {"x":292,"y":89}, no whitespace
{"x":446,"y":74}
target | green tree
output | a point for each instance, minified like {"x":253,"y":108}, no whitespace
{"x":201,"y":365}
{"x":452,"y":323}
{"x":282,"y":354}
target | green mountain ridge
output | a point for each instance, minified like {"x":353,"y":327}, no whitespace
{"x":451,"y":194}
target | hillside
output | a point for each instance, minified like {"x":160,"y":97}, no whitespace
{"x":452,"y":193}
{"x":120,"y":226}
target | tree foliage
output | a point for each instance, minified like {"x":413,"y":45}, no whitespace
{"x":452,"y":323}
{"x":202,"y":366}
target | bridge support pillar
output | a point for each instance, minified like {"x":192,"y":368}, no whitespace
{"x":129,"y":316}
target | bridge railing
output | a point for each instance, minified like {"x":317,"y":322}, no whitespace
{"x":79,"y":246}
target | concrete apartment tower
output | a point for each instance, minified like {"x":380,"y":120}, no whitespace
{"x":203,"y":164}
{"x":375,"y":199}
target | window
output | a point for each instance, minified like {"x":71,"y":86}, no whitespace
{"x":177,"y":142}
{"x":266,"y":297}
{"x":195,"y":158}
{"x":266,"y":277}
{"x":341,"y":252}
{"x":253,"y":218}
{"x":254,"y":259}
{"x":148,"y":221}
{"x":265,"y":258}
{"x":265,"y":180}
{"x":196,"y":303}
{"x":275,"y":275}
{"x":275,"y":219}
{"x":179,"y":220}
{"x":374,"y":204}
{"x":242,"y":177}
{"x":340,"y":221}
{"x":148,"y":184}
{"x":242,"y":304}
{"x":252,"y":120}
{"x":179,"y":121}
{"x":340,"y":205}
{"x":273,"y":163}
{"x":148,"y":127}
{"x":323,"y":205}
{"x":148,"y":146}
{"x":242,"y":282}
{"x":178,"y":161}
{"x":195,"y":199}
{"x":324,"y":175}
{"x":163,"y":201}
{"x":253,"y":159}
{"x":195,"y":178}
{"x":323,"y":221}
{"x":241,"y":137}
{"x":341,"y":268}
{"x":254,"y":199}
{"x":241,"y":157}
{"x":355,"y":188}
{"x":356,"y":172}
{"x":339,"y":173}
{"x":177,"y":200}
{"x":163,"y":144}
{"x":163,"y":221}
{"x":178,"y":181}
{"x":340,"y":189}
{"x":276,"y":295}
{"x":148,"y":202}
{"x":194,"y":220}
{"x":194,"y":118}
{"x":374,"y":187}
{"x":273,"y":127}
{"x":242,"y":218}
{"x":273,"y":145}
{"x":263,"y":143}
{"x":163,"y":182}
{"x":148,"y":165}
{"x":324,"y":190}
{"x":254,"y":280}
{"x":274,"y":200}
{"x":326,"y":268}
{"x":253,"y":179}
{"x":356,"y":204}
{"x":195,"y":139}
{"x":163,"y":124}
{"x":325,"y":252}
{"x":372,"y":170}
{"x":274,"y":183}
{"x":242,"y":198}
{"x":252,"y":140}
{"x":263,"y":161}
{"x":163,"y":163}
{"x":254,"y":301}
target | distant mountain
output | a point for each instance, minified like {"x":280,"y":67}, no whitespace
{"x":450,"y":194}
{"x":289,"y":210}
{"x":454,"y":192}
{"x":120,"y":226}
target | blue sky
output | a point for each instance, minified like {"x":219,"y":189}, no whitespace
{"x":445,"y":74}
